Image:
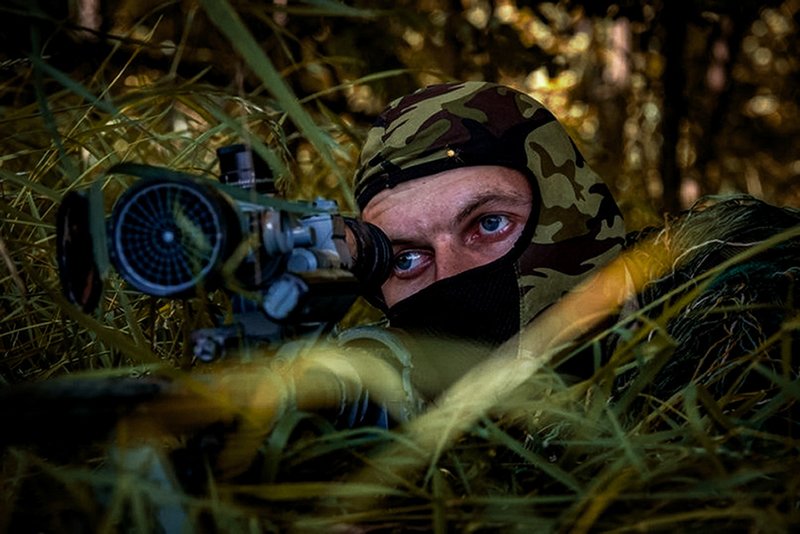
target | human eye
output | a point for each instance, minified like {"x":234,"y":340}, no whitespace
{"x":409,"y":263}
{"x":493,"y":224}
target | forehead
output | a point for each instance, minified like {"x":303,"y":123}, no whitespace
{"x":447,"y":191}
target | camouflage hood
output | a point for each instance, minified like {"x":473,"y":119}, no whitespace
{"x":575,"y":225}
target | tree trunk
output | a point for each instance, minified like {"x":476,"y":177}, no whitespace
{"x":674,"y":82}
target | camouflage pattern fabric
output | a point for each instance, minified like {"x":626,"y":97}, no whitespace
{"x":575,"y":226}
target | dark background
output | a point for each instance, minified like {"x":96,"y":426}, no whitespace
{"x":669,"y":100}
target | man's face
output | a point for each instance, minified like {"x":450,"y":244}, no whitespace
{"x":447,"y":223}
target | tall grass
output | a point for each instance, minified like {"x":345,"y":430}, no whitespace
{"x":65,"y":139}
{"x":620,"y":450}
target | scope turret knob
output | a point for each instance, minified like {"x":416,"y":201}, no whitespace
{"x":283,"y":297}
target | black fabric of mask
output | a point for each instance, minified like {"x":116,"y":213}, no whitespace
{"x":480,"y":305}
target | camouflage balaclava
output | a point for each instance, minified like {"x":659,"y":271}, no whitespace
{"x":574,"y":228}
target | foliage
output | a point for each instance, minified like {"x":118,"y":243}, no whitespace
{"x":167,"y":83}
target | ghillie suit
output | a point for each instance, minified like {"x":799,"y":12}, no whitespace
{"x":724,"y":316}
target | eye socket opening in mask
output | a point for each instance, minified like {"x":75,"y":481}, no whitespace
{"x":510,"y":256}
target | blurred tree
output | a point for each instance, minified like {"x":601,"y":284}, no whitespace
{"x":670,"y":99}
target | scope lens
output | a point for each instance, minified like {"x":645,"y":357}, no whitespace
{"x":168,"y":236}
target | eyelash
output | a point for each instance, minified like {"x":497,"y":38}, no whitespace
{"x":477,"y":232}
{"x":422,"y":256}
{"x":407,"y":273}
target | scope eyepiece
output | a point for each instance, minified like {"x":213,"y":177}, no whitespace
{"x":371,"y":251}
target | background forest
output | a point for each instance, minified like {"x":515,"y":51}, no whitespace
{"x":667,"y":100}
